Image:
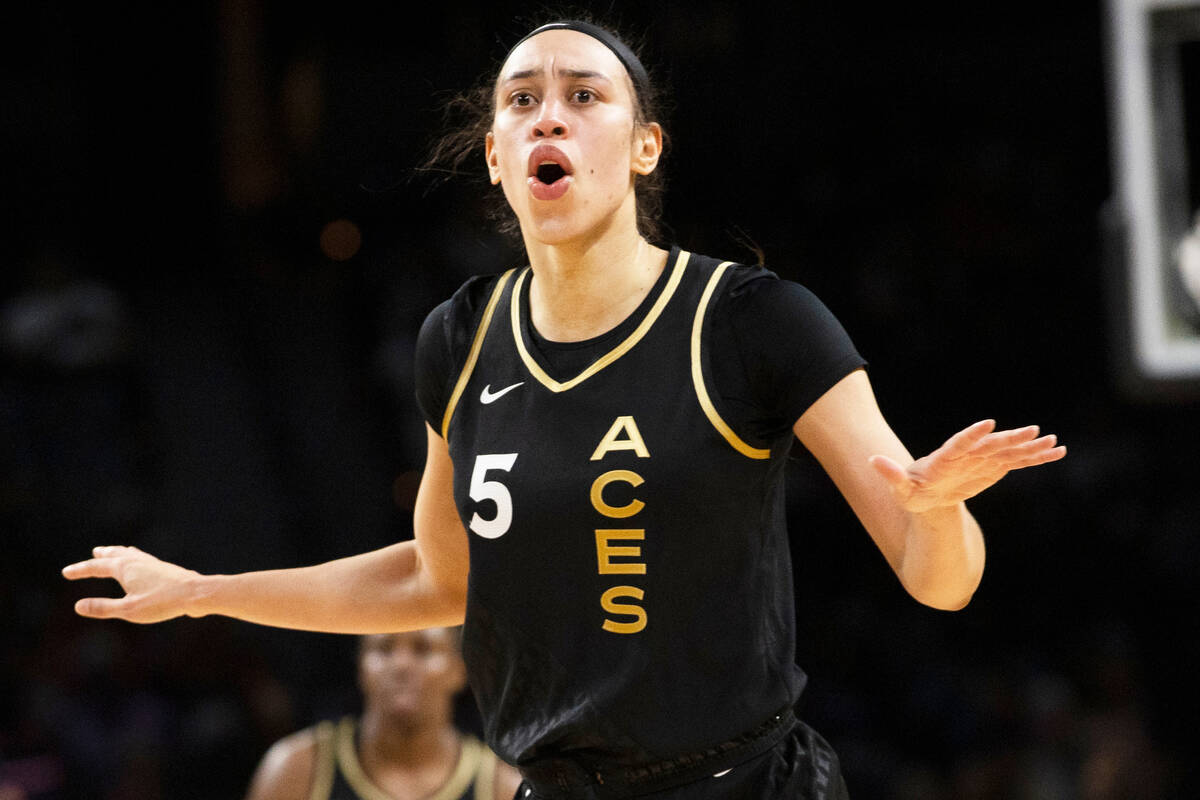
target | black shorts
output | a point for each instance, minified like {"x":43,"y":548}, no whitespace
{"x":801,"y":766}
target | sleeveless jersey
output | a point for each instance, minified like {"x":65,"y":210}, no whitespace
{"x":630,"y":592}
{"x":338,"y":775}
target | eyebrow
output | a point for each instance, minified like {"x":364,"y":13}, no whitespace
{"x":578,"y":74}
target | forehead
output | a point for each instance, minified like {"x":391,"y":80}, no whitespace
{"x":563,"y":50}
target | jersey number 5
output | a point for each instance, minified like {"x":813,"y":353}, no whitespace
{"x":497,"y":492}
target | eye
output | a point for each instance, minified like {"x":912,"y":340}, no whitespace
{"x":521,"y":99}
{"x":583,"y":96}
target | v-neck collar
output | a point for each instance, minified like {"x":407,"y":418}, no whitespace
{"x":648,"y":311}
{"x":465,"y":766}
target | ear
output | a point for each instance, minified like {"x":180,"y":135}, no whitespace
{"x":489,"y":153}
{"x":647,"y":148}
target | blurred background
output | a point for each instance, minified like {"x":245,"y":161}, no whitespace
{"x":220,"y":252}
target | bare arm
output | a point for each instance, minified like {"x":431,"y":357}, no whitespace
{"x":914,"y":509}
{"x":405,"y":586}
{"x":286,"y":771}
{"x":506,"y":781}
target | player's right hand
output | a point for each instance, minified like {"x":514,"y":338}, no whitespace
{"x":154,"y":590}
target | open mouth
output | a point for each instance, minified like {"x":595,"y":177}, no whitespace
{"x":549,"y":172}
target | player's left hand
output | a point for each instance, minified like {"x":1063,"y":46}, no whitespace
{"x":969,"y":462}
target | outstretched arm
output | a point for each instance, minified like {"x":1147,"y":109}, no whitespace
{"x":416,"y":584}
{"x":914,"y":509}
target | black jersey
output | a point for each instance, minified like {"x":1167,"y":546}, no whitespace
{"x":338,"y":775}
{"x":630,"y":594}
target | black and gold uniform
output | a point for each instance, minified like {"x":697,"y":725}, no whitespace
{"x":338,"y":775}
{"x":629,"y":617}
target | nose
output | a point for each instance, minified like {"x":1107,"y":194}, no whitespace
{"x":401,"y":659}
{"x":550,"y":122}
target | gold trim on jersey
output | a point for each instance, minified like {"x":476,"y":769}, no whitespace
{"x":323,"y":762}
{"x":468,"y":767}
{"x":706,"y":403}
{"x":485,"y":777}
{"x":469,"y":760}
{"x":612,"y":355}
{"x":473,"y":355}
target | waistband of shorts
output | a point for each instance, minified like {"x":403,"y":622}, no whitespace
{"x":567,"y":779}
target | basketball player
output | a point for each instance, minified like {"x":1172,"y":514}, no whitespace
{"x":602,"y":499}
{"x":403,"y":746}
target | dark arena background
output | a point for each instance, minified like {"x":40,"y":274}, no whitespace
{"x":220,"y":250}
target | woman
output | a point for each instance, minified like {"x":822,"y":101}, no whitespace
{"x":403,"y":745}
{"x":606,"y":454}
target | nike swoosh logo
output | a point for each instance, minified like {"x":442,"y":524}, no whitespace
{"x":488,"y":396}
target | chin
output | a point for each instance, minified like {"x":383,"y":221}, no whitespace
{"x":401,"y":704}
{"x":403,"y":714}
{"x":551,"y":231}
{"x":559,"y":229}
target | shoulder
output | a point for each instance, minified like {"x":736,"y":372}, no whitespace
{"x":286,"y":770}
{"x":753,"y":290}
{"x":444,"y":341}
{"x":773,"y":340}
{"x":496,"y":778}
{"x":749,"y":286}
{"x":752,"y":303}
{"x":460,"y":313}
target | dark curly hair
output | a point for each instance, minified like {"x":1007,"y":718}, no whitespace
{"x":467,"y":118}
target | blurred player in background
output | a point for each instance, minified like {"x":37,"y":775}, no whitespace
{"x":403,"y":746}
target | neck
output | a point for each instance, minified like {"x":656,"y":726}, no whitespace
{"x":405,"y":745}
{"x":583,"y":288}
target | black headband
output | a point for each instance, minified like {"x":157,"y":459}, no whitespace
{"x":632,"y":64}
